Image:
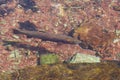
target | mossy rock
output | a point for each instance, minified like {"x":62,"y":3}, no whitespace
{"x":49,"y":59}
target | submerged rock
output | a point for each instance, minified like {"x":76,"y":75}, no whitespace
{"x":49,"y":59}
{"x":83,"y":58}
{"x":93,"y":36}
{"x":15,"y":54}
{"x":28,"y":4}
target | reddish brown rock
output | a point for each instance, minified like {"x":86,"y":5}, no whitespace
{"x":94,"y":36}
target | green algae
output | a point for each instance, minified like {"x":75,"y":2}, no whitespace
{"x":82,"y":71}
{"x":49,"y":59}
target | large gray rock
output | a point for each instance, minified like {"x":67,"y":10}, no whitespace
{"x":83,"y":58}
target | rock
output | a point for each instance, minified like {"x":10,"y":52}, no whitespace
{"x":28,"y":4}
{"x":116,"y":8}
{"x":117,"y":32}
{"x":83,"y":58}
{"x":15,"y":54}
{"x":15,"y":36}
{"x":93,"y":36}
{"x":117,"y":39}
{"x":60,"y":9}
{"x":48,"y":59}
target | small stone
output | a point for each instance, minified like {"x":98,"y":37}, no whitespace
{"x":116,"y":40}
{"x":55,"y":31}
{"x":117,"y":32}
{"x":46,"y":28}
{"x":65,"y":25}
{"x":15,"y":54}
{"x":15,"y":36}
